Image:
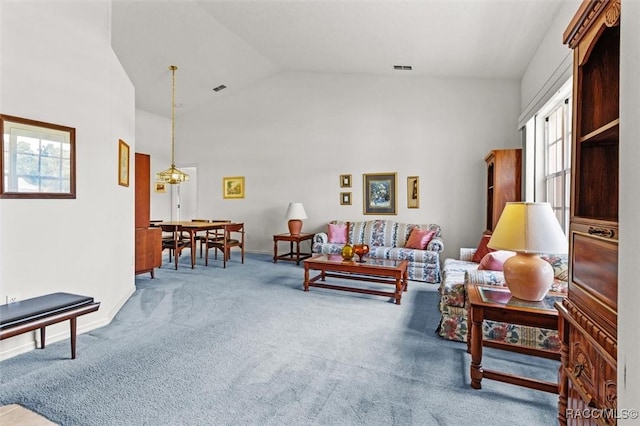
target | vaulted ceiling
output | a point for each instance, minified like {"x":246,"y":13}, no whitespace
{"x":237,"y":43}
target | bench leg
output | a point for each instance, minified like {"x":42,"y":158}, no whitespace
{"x":42,"y":335}
{"x":72,"y":323}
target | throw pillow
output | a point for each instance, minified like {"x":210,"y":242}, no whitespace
{"x":419,"y":238}
{"x":337,"y":233}
{"x":494,"y":261}
{"x":482,"y":249}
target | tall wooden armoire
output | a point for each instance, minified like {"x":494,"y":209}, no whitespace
{"x":588,"y":316}
{"x":504,"y":183}
{"x":148,"y":251}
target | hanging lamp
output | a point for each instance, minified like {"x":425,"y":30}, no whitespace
{"x":172,"y":175}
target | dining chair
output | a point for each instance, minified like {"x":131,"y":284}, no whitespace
{"x":200,"y":239}
{"x":232,"y":236}
{"x":177,"y":242}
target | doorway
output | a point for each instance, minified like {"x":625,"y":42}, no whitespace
{"x":184,"y":197}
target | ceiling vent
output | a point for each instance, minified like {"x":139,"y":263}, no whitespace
{"x":402,"y":67}
{"x":219,"y":88}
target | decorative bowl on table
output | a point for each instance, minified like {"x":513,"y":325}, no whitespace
{"x":360,"y":250}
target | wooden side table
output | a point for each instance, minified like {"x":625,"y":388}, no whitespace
{"x":496,"y":303}
{"x":296,"y":255}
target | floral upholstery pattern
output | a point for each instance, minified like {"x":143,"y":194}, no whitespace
{"x":453,"y":303}
{"x":386,"y":240}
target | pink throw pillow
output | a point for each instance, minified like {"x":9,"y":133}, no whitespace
{"x":338,"y":233}
{"x":482,"y":249}
{"x":419,"y":238}
{"x":494,"y":261}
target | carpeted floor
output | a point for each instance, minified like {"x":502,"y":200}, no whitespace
{"x":246,"y":346}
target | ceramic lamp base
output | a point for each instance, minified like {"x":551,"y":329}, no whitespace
{"x":295,"y":226}
{"x":528,"y":276}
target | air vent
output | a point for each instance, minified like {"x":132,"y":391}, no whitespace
{"x":219,"y":88}
{"x":402,"y":67}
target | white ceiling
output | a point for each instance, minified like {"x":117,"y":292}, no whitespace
{"x":237,"y":43}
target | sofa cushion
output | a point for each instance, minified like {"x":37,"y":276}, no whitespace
{"x":337,"y":233}
{"x":419,"y":238}
{"x":482,"y":249}
{"x":494,"y":261}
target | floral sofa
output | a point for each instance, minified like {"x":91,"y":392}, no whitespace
{"x":457,"y":273}
{"x":386,"y":240}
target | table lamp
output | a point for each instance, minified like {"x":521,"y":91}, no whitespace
{"x":295,"y":214}
{"x":529,"y":229}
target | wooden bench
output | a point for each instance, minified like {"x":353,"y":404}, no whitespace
{"x":37,"y":313}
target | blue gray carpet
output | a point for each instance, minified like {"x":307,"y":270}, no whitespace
{"x":246,"y":346}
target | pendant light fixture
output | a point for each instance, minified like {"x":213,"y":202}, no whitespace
{"x":172,"y":175}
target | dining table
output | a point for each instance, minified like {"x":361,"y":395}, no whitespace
{"x":192,"y":227}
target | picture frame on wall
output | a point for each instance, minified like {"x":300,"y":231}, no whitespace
{"x":233,"y":187}
{"x":413,"y":192}
{"x":160,"y":187}
{"x":345,"y":198}
{"x":123,"y":163}
{"x":380,"y":193}
{"x":345,"y":181}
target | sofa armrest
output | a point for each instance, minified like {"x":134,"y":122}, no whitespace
{"x":436,"y":244}
{"x":321,"y":238}
{"x":466,"y":253}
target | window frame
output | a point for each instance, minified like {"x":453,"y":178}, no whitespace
{"x":69,"y":134}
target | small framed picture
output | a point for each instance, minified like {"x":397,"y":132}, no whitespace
{"x":345,"y":181}
{"x":233,"y":187}
{"x":160,"y":187}
{"x":413,"y":192}
{"x":345,"y":198}
{"x":123,"y":163}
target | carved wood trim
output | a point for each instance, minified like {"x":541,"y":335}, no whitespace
{"x":587,"y":14}
{"x":592,"y":332}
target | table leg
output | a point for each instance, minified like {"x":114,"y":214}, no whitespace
{"x":476,"y":318}
{"x":399,"y":284}
{"x":298,"y":252}
{"x":306,"y":277}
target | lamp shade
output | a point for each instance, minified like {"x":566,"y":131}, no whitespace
{"x":528,"y":228}
{"x":295,"y":211}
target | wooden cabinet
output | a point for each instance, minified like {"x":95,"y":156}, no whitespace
{"x":504,"y":171}
{"x":148,"y":249}
{"x":588,"y":316}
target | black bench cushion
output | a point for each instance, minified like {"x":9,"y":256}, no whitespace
{"x":27,"y":310}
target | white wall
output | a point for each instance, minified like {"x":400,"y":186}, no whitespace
{"x":629,"y":267}
{"x":550,"y":66}
{"x":292,"y":135}
{"x":58,"y":67}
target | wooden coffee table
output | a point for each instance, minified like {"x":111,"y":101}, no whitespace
{"x":371,"y":270}
{"x":496,"y":304}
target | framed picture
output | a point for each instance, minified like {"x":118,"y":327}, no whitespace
{"x":345,"y":181}
{"x":345,"y":198}
{"x":123,"y":163}
{"x":233,"y":187}
{"x":160,"y":187}
{"x":413,"y":192}
{"x":380,"y":195}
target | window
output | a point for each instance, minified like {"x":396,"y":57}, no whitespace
{"x":557,"y":177}
{"x":38,"y":159}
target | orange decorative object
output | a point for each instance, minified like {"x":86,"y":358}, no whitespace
{"x":347,"y":252}
{"x":360,"y":250}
